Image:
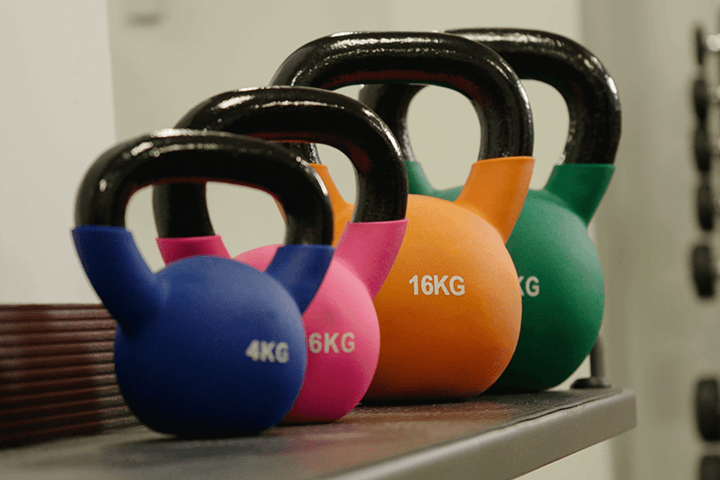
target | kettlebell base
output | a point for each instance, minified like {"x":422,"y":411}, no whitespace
{"x":590,"y":382}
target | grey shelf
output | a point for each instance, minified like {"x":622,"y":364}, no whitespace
{"x":490,"y":437}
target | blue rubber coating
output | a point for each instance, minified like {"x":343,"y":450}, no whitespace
{"x":207,"y":346}
{"x":301,"y":269}
{"x":117,"y":271}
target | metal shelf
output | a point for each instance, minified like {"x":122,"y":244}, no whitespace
{"x":491,"y":437}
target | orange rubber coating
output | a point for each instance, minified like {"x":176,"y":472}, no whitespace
{"x":494,"y":191}
{"x":444,"y":339}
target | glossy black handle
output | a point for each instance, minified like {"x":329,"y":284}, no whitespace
{"x":175,"y":155}
{"x":282,"y":113}
{"x":587,"y":88}
{"x":429,"y":58}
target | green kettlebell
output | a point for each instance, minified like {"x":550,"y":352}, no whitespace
{"x":558,"y":266}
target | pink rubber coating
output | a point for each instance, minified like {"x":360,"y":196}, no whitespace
{"x":335,"y":379}
{"x":341,"y":325}
{"x":174,"y":249}
{"x":370,"y":250}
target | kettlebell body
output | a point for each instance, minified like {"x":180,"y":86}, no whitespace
{"x":563,"y":289}
{"x":192,"y":335}
{"x":558,"y":268}
{"x":470,"y":316}
{"x":207,"y":346}
{"x":342,"y":331}
{"x":264,"y":332}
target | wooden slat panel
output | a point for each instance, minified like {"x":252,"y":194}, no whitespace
{"x":57,"y":376}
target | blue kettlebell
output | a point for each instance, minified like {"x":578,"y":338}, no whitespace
{"x":207,"y":346}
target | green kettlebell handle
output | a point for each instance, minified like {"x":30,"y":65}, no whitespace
{"x":587,"y":88}
{"x":579,"y":187}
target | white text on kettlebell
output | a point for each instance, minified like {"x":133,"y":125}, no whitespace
{"x":268,"y":351}
{"x":433,"y":285}
{"x":325,"y":342}
{"x":532,"y":286}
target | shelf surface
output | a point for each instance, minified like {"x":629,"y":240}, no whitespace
{"x":490,"y":436}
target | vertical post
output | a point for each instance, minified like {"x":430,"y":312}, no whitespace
{"x":597,"y":369}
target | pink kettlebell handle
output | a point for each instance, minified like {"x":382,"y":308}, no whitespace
{"x":369,"y":249}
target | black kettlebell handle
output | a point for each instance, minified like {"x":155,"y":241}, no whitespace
{"x":283,"y":113}
{"x":176,"y":155}
{"x":588,"y":90}
{"x":422,"y":57}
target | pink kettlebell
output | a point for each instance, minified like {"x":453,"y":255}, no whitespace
{"x":341,"y":326}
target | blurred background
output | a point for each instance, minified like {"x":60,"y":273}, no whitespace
{"x":77,"y":76}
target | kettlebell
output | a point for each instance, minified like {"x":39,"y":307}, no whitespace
{"x":450,"y":309}
{"x":343,"y":335}
{"x":207,"y":346}
{"x":558,"y":267}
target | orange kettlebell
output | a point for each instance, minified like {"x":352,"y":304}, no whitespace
{"x":450,"y":309}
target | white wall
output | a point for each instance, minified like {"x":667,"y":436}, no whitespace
{"x":661,"y":338}
{"x":56,"y":116}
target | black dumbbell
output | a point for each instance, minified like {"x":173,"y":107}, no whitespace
{"x":700,"y":45}
{"x":704,"y":271}
{"x":704,"y":149}
{"x":710,"y":467}
{"x":703,"y":97}
{"x":707,"y":206}
{"x":707,"y":409}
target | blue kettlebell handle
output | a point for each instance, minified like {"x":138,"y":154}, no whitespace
{"x":109,"y":254}
{"x":176,"y":155}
